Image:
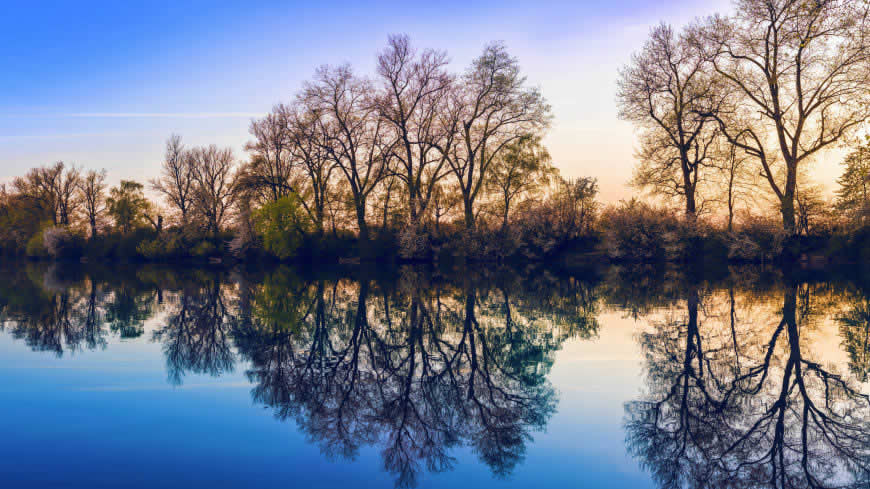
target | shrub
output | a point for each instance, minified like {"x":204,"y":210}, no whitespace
{"x":757,"y":239}
{"x":634,"y":230}
{"x":161,"y":248}
{"x":59,"y":242}
{"x":55,"y":242}
{"x":414,"y":243}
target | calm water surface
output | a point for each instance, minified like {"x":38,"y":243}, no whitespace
{"x":620,"y":377}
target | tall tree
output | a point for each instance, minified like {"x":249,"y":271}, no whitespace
{"x":66,"y":187}
{"x":413,"y":92}
{"x":176,"y":182}
{"x":308,"y":152}
{"x":350,"y":132}
{"x":490,"y":107}
{"x":127,"y":205}
{"x":214,"y":185}
{"x":801,"y":72}
{"x":92,"y":187}
{"x":735,"y":179}
{"x":53,"y":188}
{"x":666,"y":91}
{"x":270,"y":168}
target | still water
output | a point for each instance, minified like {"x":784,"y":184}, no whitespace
{"x":615,"y":377}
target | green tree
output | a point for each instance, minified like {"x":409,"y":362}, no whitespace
{"x":282,"y":225}
{"x":127,"y":205}
{"x":852,"y":196}
{"x":522,"y":166}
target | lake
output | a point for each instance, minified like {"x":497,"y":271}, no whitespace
{"x":486,"y":377}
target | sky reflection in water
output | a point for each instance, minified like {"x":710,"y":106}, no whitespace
{"x":619,"y":377}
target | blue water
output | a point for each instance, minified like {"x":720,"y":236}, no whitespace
{"x":120,"y":414}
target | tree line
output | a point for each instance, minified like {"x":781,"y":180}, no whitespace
{"x":738,"y":105}
{"x":418,"y":161}
{"x":416,"y":154}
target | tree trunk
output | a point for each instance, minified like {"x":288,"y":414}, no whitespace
{"x":730,"y":215}
{"x":788,"y":197}
{"x":690,"y":204}
{"x":788,"y":217}
{"x":319,"y":218}
{"x":361,"y":223}
{"x":387,"y":208}
{"x":412,"y":204}
{"x":469,"y":214}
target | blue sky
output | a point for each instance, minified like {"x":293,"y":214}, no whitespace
{"x":103,"y":84}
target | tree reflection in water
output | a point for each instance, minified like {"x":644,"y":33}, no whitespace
{"x":744,"y":403}
{"x":414,"y":366}
{"x":419,"y":365}
{"x":196,"y":332}
{"x":50,"y":314}
{"x":418,"y":369}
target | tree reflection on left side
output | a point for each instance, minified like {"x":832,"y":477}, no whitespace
{"x":415,"y":368}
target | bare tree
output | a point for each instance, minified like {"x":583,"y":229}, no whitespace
{"x":412,"y":96}
{"x":444,"y":200}
{"x":52,"y":188}
{"x":177,"y":180}
{"x":666,"y":91}
{"x":66,"y":193}
{"x":350,"y":132}
{"x":735,"y":179}
{"x":801,"y":71}
{"x":214,"y":189}
{"x":491,"y":107}
{"x":270,"y":169}
{"x":92,"y":187}
{"x":308,"y":152}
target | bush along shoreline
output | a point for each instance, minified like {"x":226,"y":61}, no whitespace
{"x":631,"y":232}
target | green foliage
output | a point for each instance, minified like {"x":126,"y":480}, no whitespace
{"x":281,"y":301}
{"x":55,"y":242}
{"x":20,"y":219}
{"x":35,"y":248}
{"x":853,"y":196}
{"x":164,"y":247}
{"x":281,"y":225}
{"x":127,"y":205}
{"x":521,"y":167}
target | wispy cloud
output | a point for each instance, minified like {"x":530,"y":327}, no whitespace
{"x":165,"y":115}
{"x":65,"y":135}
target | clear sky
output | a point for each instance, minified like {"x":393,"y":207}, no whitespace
{"x":102,"y":85}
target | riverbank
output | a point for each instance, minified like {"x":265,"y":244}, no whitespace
{"x":703,"y":246}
